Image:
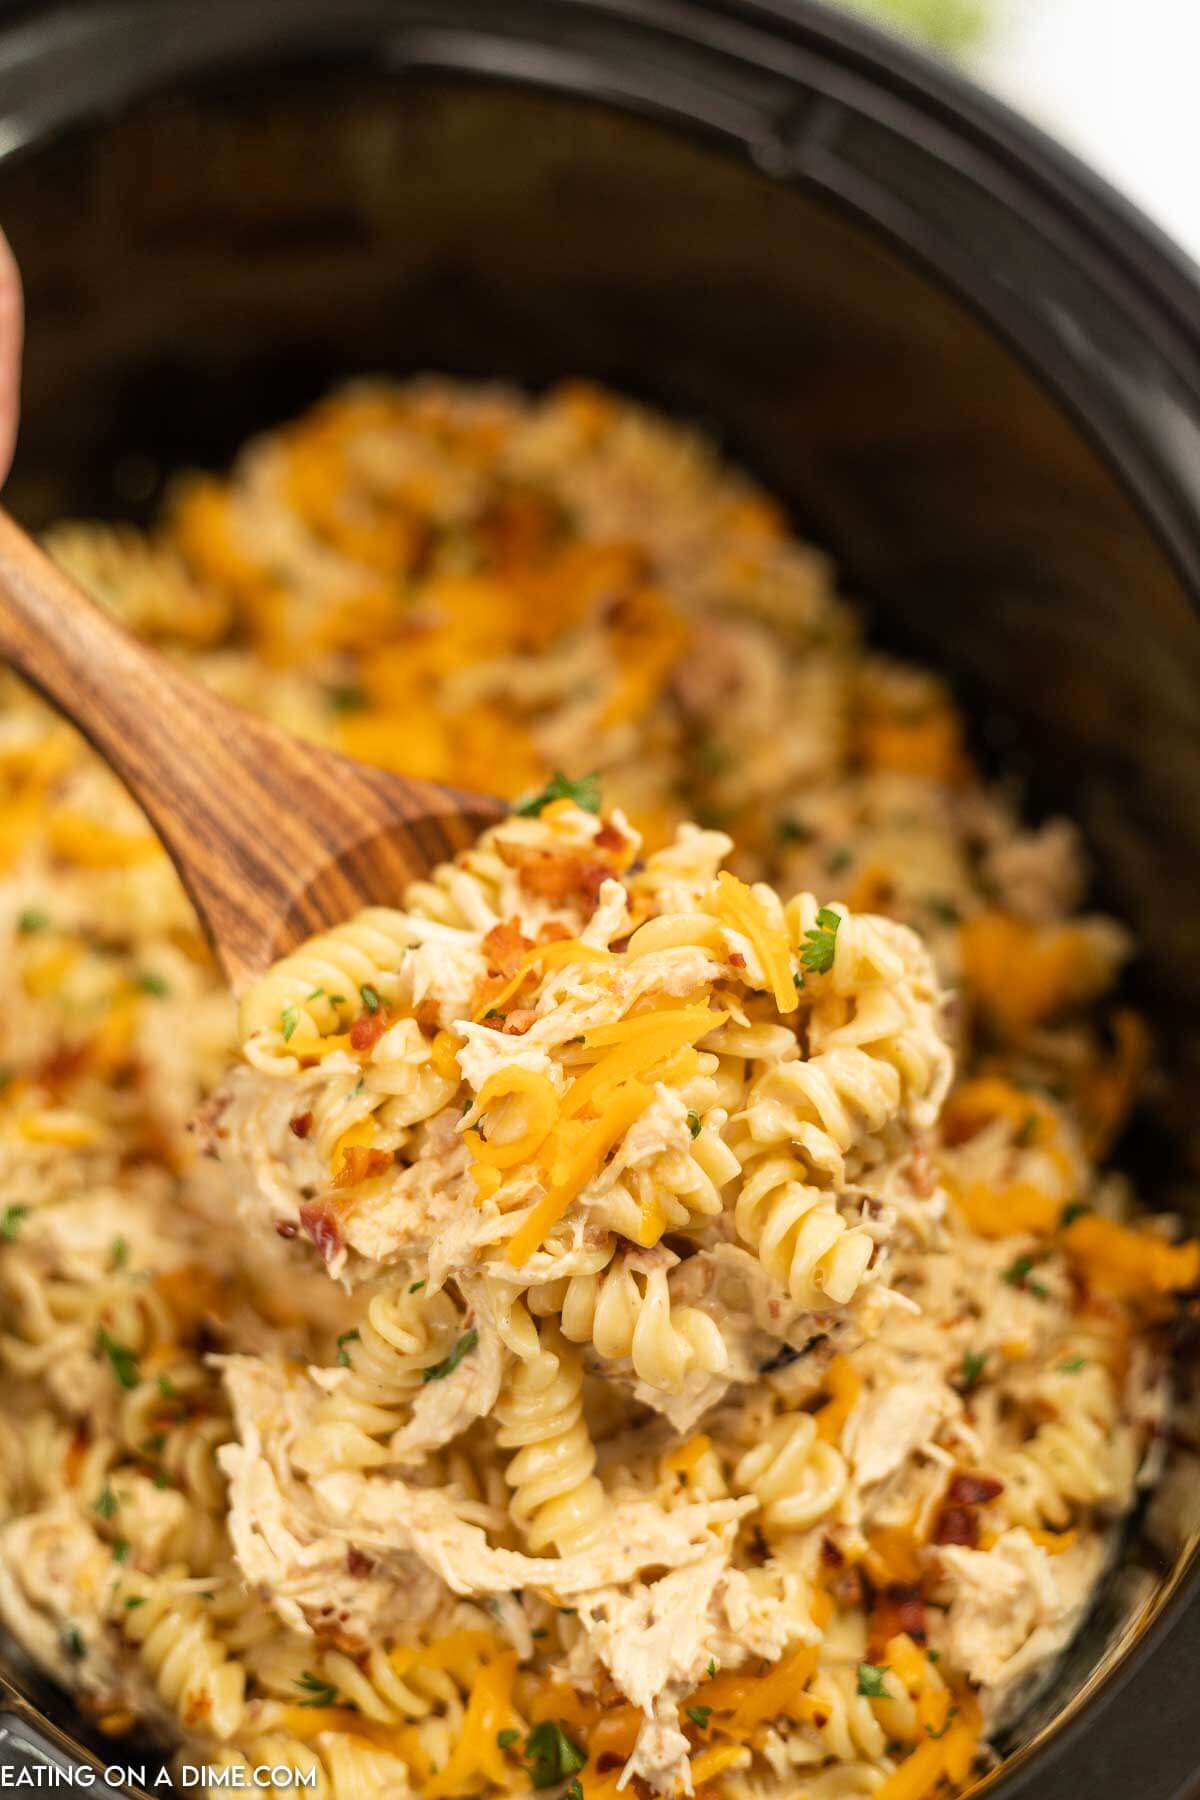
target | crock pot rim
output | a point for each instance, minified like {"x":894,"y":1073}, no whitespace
{"x":83,"y":57}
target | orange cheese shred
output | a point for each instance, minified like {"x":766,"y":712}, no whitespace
{"x":572,"y":1161}
{"x":739,"y":907}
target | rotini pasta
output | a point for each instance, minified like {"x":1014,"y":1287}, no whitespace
{"x":795,"y":1477}
{"x":583,"y":1347}
{"x":401,"y":1335}
{"x":556,"y":1497}
{"x":165,"y":1619}
{"x":625,"y":1310}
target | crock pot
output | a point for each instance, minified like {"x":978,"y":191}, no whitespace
{"x":970,"y":369}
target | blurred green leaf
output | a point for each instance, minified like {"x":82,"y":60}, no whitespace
{"x":954,"y":26}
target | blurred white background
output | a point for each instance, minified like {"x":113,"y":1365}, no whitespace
{"x":1114,"y":79}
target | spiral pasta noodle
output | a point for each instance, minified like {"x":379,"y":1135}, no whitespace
{"x":626,"y":1311}
{"x":328,"y":973}
{"x":400,"y":1335}
{"x":557,"y":1500}
{"x":798,"y":1232}
{"x":165,"y":1619}
{"x":1065,"y":1465}
{"x":795,"y":1477}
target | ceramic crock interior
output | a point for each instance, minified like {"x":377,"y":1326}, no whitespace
{"x":206,"y":262}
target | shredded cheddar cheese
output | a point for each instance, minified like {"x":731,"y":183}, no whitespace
{"x":842,"y":1384}
{"x":574,"y":1154}
{"x":740,"y":908}
{"x":1128,"y":1263}
{"x":541,"y":1106}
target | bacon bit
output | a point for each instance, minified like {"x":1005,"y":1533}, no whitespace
{"x":76,"y":1456}
{"x":517,"y":1023}
{"x":609,"y":837}
{"x":369,"y":1027}
{"x":958,"y":1521}
{"x":519,"y":528}
{"x":736,"y":959}
{"x":503,"y":947}
{"x":973,"y":1490}
{"x":428,"y":1017}
{"x":849,"y":1589}
{"x":831,"y":1556}
{"x":625,"y":611}
{"x":561,"y":876}
{"x":58,"y":1071}
{"x":897,"y":1610}
{"x":301,"y":1125}
{"x":322,"y":1227}
{"x":359,"y":1164}
{"x":285,"y":1228}
{"x":957,"y":1525}
{"x":358,"y":1563}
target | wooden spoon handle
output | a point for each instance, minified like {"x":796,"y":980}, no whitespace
{"x":129,"y":702}
{"x":274,"y":838}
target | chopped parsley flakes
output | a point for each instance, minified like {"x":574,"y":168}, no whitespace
{"x":464,"y":1346}
{"x":585,"y":793}
{"x":10,"y":1222}
{"x":1019,"y":1275}
{"x":343,"y":1355}
{"x":370,"y":998}
{"x":124,"y":1361}
{"x":347,"y":697}
{"x":289,"y":1018}
{"x":700,"y":1715}
{"x":871,"y":1684}
{"x":820,"y":942}
{"x":552,"y":1756}
{"x":694,"y":1124}
{"x":973,"y":1365}
{"x":317,"y":1692}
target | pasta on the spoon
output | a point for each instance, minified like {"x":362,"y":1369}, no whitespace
{"x":584,"y":1088}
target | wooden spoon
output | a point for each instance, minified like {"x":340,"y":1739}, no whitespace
{"x":274,"y":838}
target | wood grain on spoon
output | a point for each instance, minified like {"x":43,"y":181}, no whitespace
{"x":274,"y":838}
